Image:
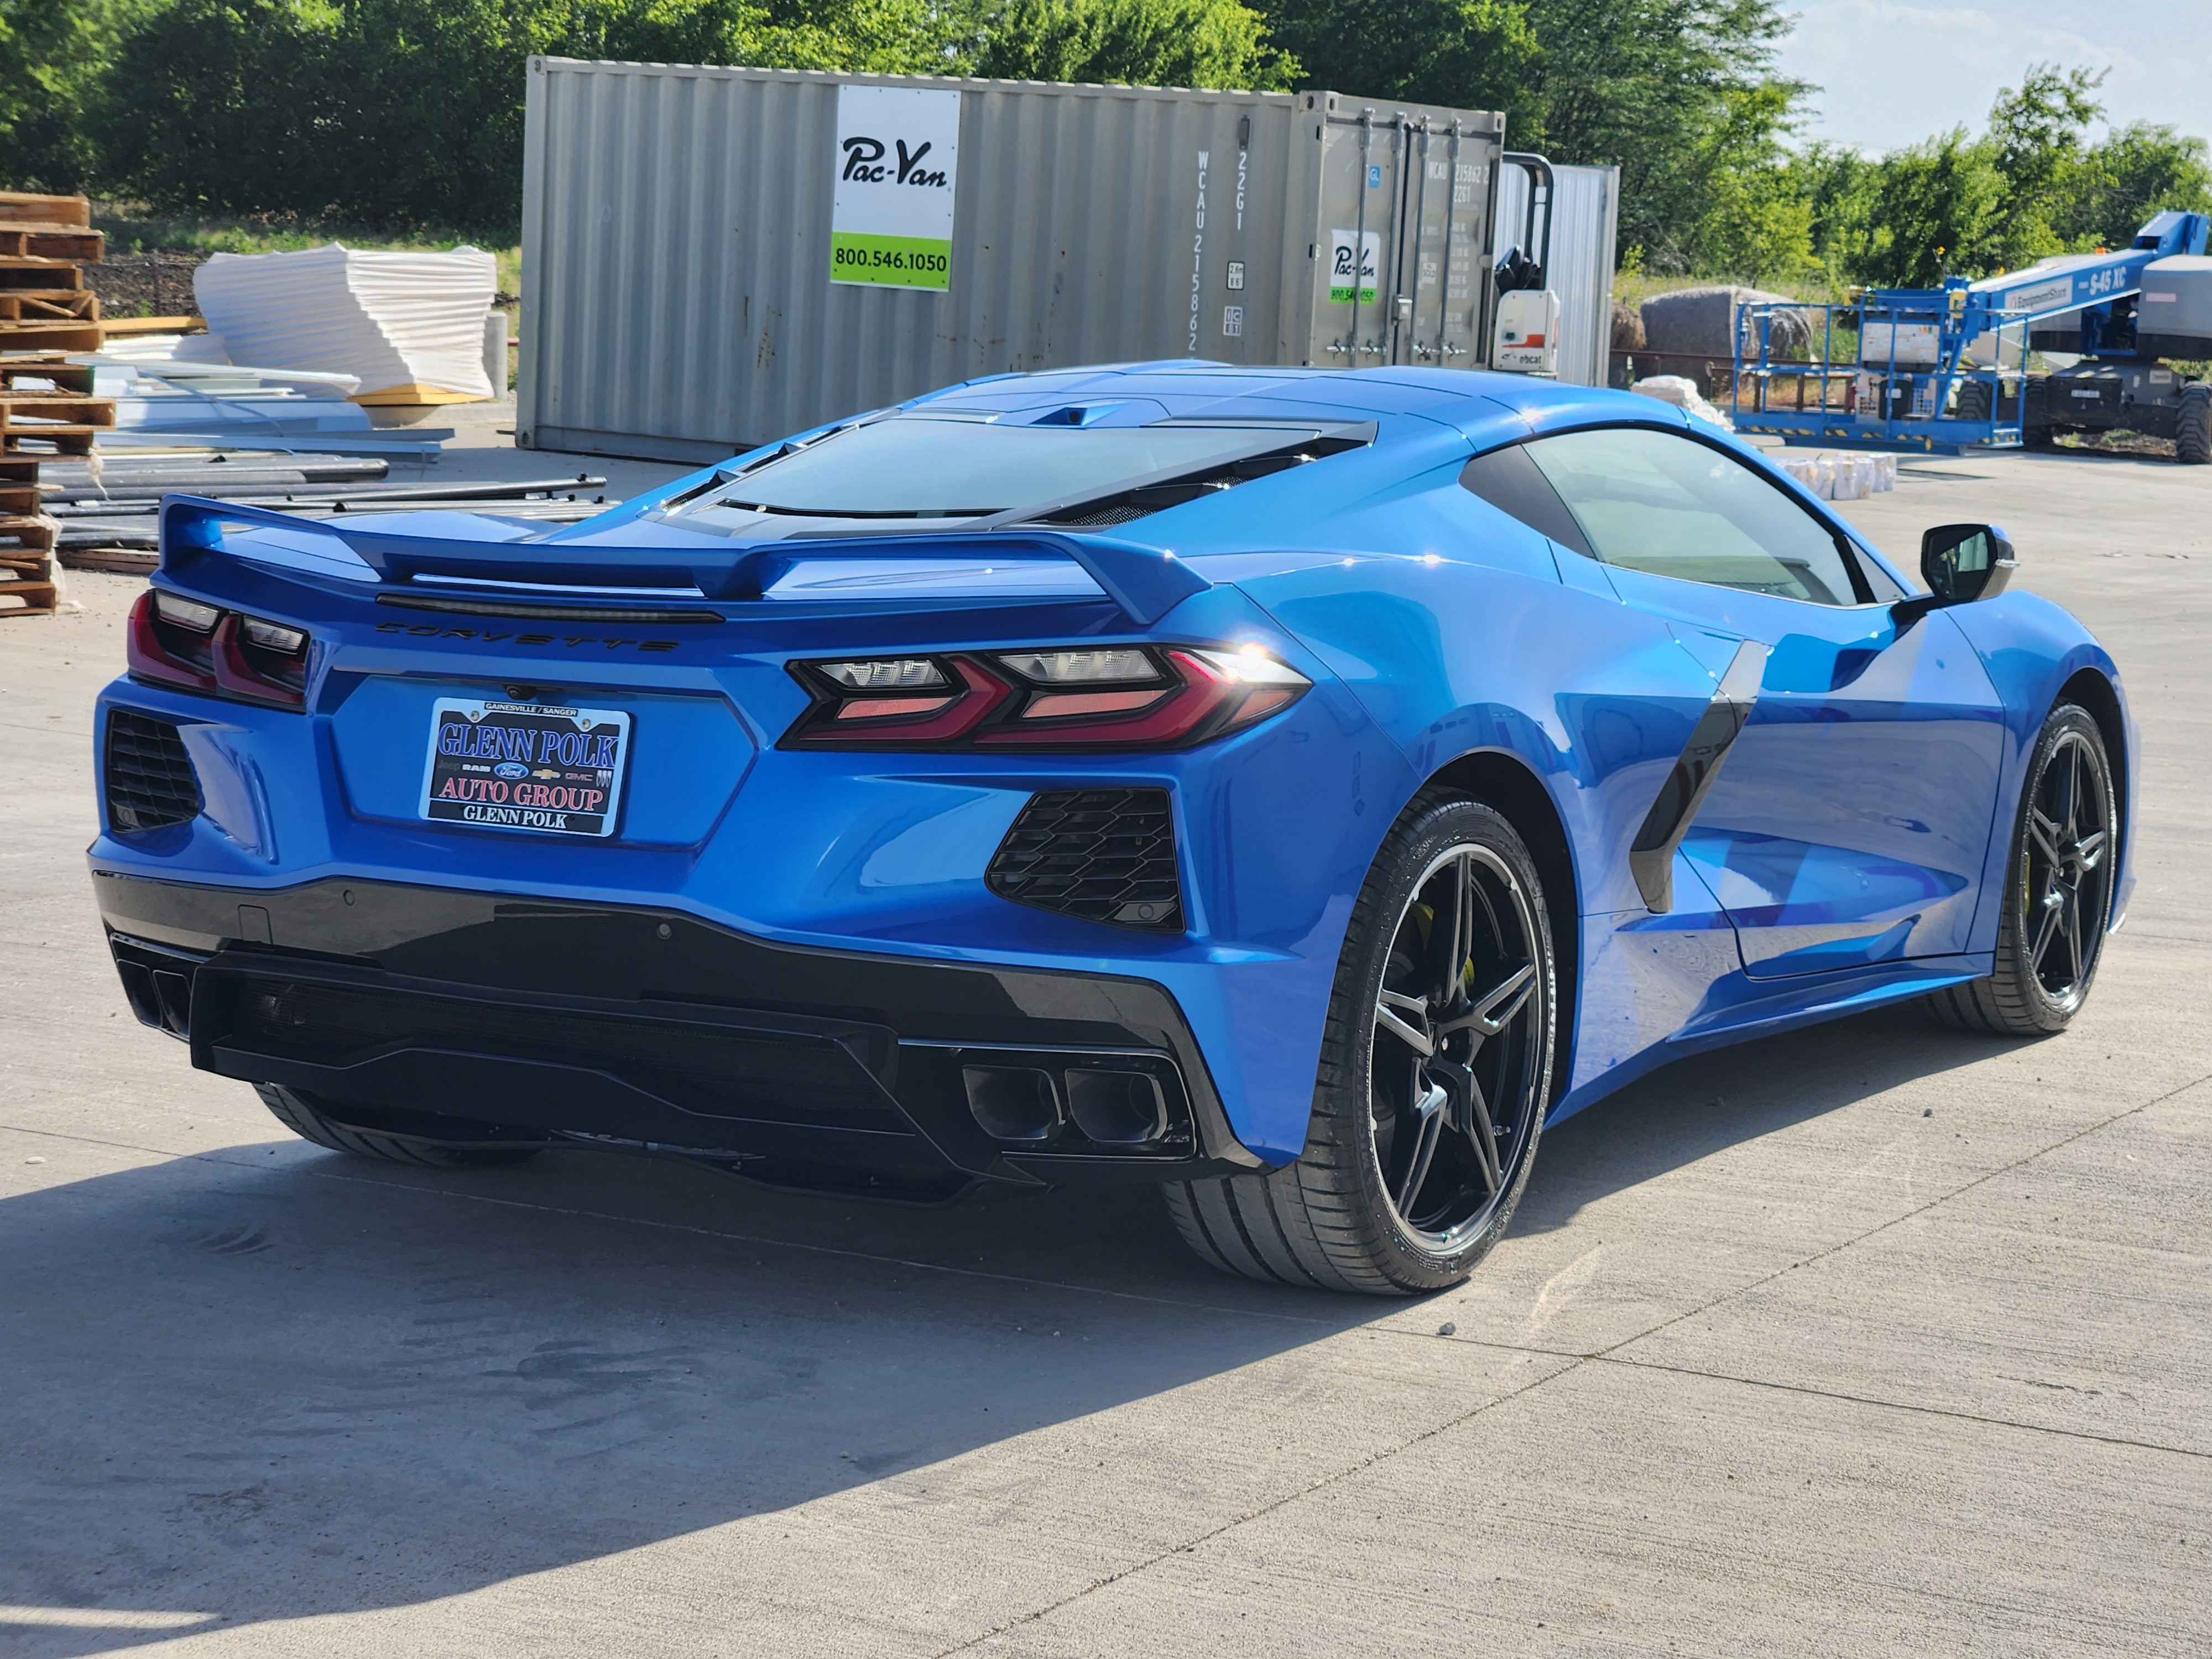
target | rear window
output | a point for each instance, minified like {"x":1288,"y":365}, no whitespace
{"x":914,"y":466}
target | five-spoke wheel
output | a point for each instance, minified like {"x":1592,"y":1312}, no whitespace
{"x":1457,"y":1048}
{"x":2058,"y":898}
{"x":1435,"y":1074}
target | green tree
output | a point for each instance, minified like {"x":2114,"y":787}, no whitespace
{"x":1838,"y":185}
{"x":400,"y":111}
{"x":1681,"y":94}
{"x":1158,"y":43}
{"x":2035,"y":135}
{"x":1938,"y":207}
{"x":2135,"y":172}
{"x":1466,"y":54}
{"x":53,"y":54}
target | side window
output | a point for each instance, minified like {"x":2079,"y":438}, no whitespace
{"x":1653,"y":501}
{"x":1511,"y":481}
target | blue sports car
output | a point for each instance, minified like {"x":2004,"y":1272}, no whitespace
{"x":1293,"y":789}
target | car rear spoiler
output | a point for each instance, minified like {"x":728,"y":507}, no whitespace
{"x":1145,"y":583}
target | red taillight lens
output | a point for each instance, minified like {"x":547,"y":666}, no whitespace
{"x":1080,"y":697}
{"x":173,"y":641}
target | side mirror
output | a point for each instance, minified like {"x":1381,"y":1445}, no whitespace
{"x":1962,"y":562}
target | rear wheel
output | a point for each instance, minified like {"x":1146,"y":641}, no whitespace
{"x":1435,"y":1068}
{"x":2193,"y":437}
{"x":305,"y":1117}
{"x":2058,"y":892}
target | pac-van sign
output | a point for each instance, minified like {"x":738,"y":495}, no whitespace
{"x":897,"y":164}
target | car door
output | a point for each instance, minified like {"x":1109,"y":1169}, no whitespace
{"x":1847,"y":822}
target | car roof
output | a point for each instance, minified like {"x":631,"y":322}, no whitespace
{"x":1488,"y":407}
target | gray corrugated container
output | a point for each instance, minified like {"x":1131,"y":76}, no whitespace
{"x":675,"y":245}
{"x":1585,"y":220}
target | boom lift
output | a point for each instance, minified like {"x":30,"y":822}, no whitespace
{"x":1945,"y":369}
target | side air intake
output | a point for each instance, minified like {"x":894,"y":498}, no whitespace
{"x":1101,"y":854}
{"x":149,"y":781}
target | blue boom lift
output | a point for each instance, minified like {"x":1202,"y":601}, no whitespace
{"x":1945,"y":369}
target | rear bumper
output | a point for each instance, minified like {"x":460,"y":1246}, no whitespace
{"x":648,"y":1028}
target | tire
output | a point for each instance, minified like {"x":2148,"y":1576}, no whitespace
{"x":303,"y":1116}
{"x":2058,"y":890}
{"x":2192,"y":432}
{"x":2039,"y":437}
{"x":1394,"y":1194}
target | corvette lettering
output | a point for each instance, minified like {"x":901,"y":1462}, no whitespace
{"x":495,"y":637}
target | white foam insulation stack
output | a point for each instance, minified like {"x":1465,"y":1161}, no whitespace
{"x":409,"y":326}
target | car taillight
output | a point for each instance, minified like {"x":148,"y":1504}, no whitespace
{"x":1051,"y":698}
{"x":174,"y":640}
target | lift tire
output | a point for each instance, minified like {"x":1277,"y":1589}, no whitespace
{"x":2192,"y":433}
{"x":2039,"y":437}
{"x":303,"y":1115}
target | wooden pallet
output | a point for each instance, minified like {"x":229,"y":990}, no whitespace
{"x":19,"y":407}
{"x":19,"y":500}
{"x":42,"y":273}
{"x":77,"y":336}
{"x":28,"y":588}
{"x":114,"y":326}
{"x":16,"y":205}
{"x":72,"y":440}
{"x":27,"y":540}
{"x":69,"y":380}
{"x":28,"y":599}
{"x":70,"y":242}
{"x":53,"y":305}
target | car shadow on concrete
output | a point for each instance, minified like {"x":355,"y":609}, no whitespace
{"x":268,"y":1383}
{"x":1705,"y":1103}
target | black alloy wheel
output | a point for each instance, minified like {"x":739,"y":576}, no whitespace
{"x":1435,"y":1072}
{"x":2059,"y":897}
{"x":1456,"y":1048}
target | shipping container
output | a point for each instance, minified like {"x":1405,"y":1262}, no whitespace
{"x":714,"y":257}
{"x":1585,"y":220}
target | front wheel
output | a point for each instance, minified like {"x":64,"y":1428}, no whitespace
{"x":2058,"y":888}
{"x":1435,"y":1070}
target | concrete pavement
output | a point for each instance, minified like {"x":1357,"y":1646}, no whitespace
{"x":1870,"y":1340}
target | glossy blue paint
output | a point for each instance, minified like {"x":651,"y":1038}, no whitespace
{"x":1847,"y":845}
{"x":1852,"y":819}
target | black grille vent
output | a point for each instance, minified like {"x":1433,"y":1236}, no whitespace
{"x":149,"y":776}
{"x":1101,"y":854}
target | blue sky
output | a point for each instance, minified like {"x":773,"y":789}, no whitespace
{"x":1893,"y":70}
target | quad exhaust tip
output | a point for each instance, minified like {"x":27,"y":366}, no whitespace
{"x":1111,"y":1107}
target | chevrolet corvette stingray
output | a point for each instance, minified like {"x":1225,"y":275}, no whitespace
{"x":1293,"y":789}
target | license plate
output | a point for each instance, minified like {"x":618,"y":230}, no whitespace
{"x":526,"y":766}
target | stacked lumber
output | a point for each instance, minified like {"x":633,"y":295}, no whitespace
{"x":44,"y":243}
{"x":46,"y":405}
{"x":26,"y":542}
